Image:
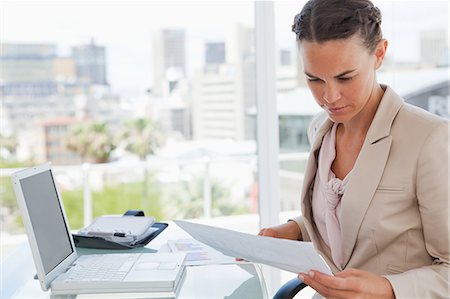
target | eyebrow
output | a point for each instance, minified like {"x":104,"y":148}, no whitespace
{"x":337,"y":76}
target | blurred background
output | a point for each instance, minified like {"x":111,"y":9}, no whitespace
{"x":152,"y":105}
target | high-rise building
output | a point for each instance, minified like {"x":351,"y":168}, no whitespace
{"x":221,"y":99}
{"x":240,"y":45}
{"x":285,"y":58}
{"x":64,"y":69}
{"x":214,"y":53}
{"x":434,"y":48}
{"x":169,"y":63}
{"x":27,"y":69}
{"x":90,"y":63}
{"x":218,"y":110}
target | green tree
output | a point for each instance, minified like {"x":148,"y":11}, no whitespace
{"x":142,"y":137}
{"x":93,"y":142}
{"x":185,"y":200}
{"x":9,"y":143}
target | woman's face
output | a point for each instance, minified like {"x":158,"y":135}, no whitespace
{"x":341,"y":75}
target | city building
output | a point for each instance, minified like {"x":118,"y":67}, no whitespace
{"x":286,"y":79}
{"x":217,"y":106}
{"x":285,"y":58}
{"x":434,"y":48}
{"x":27,"y":70}
{"x":169,"y":63}
{"x":23,"y":113}
{"x":55,"y":133}
{"x":222,"y":95}
{"x":214,"y":53}
{"x":90,"y":63}
{"x":434,"y":98}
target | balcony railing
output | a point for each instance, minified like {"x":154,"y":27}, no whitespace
{"x":237,"y":174}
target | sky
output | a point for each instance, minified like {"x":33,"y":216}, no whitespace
{"x":125,"y":28}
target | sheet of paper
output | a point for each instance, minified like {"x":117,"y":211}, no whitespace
{"x":198,"y":253}
{"x":289,"y":255}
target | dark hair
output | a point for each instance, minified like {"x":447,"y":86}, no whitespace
{"x":325,"y":20}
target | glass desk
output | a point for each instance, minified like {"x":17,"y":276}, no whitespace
{"x":233,"y":281}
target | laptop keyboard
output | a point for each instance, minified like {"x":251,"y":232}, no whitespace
{"x":108,"y":267}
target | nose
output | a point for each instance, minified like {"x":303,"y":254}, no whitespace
{"x":331,"y":93}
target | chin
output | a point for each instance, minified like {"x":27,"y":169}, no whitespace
{"x":337,"y":118}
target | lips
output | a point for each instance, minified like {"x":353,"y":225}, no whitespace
{"x":336,"y":109}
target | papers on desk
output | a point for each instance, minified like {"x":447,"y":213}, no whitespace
{"x":198,"y":253}
{"x":289,"y":255}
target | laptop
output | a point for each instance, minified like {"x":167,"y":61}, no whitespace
{"x":58,"y":266}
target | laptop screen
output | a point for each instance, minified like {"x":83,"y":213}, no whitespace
{"x":47,"y":219}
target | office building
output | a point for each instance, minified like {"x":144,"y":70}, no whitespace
{"x":55,"y":133}
{"x":23,"y":112}
{"x":434,"y":98}
{"x":285,"y":58}
{"x":64,"y":69}
{"x":239,"y":44}
{"x":169,"y":63}
{"x":286,"y":79}
{"x":214,"y":53}
{"x":27,"y":70}
{"x":221,"y":98}
{"x":434,"y":48}
{"x":90,"y":63}
{"x":175,"y":119}
{"x":217,"y":107}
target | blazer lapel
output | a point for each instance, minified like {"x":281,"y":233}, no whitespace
{"x":367,"y":171}
{"x":319,"y":132}
{"x":311,"y":167}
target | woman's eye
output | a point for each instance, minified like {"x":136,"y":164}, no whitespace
{"x":345,"y":78}
{"x":313,"y":80}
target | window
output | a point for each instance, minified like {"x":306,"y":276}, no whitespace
{"x":177,"y":76}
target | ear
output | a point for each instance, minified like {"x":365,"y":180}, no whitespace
{"x":380,"y":52}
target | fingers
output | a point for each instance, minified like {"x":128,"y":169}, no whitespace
{"x":268,"y":232}
{"x":350,"y":283}
{"x":327,"y":286}
{"x":334,"y":282}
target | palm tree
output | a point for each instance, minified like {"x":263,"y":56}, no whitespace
{"x":9,"y":143}
{"x":93,"y":142}
{"x":142,"y":137}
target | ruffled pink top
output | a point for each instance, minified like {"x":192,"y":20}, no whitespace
{"x":327,"y":194}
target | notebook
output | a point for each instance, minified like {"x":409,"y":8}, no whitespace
{"x":58,"y":266}
{"x":120,"y":229}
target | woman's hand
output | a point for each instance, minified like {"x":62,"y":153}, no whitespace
{"x":289,"y":230}
{"x":350,"y":283}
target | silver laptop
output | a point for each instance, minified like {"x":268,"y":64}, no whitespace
{"x":57,"y":263}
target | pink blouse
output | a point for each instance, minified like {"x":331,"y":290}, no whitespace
{"x":327,"y":194}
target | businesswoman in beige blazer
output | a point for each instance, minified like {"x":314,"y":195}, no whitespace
{"x":375,"y":198}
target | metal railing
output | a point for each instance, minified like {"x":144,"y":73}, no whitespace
{"x":91,"y":177}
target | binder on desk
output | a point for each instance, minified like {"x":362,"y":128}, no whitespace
{"x":119,"y":232}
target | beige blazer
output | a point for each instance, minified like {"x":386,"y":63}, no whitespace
{"x":395,"y":210}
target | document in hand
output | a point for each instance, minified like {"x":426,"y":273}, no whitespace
{"x":289,"y":255}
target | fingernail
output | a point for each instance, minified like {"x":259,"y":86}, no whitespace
{"x":301,"y":277}
{"x":311,"y":274}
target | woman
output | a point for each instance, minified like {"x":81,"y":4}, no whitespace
{"x":375,"y":194}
